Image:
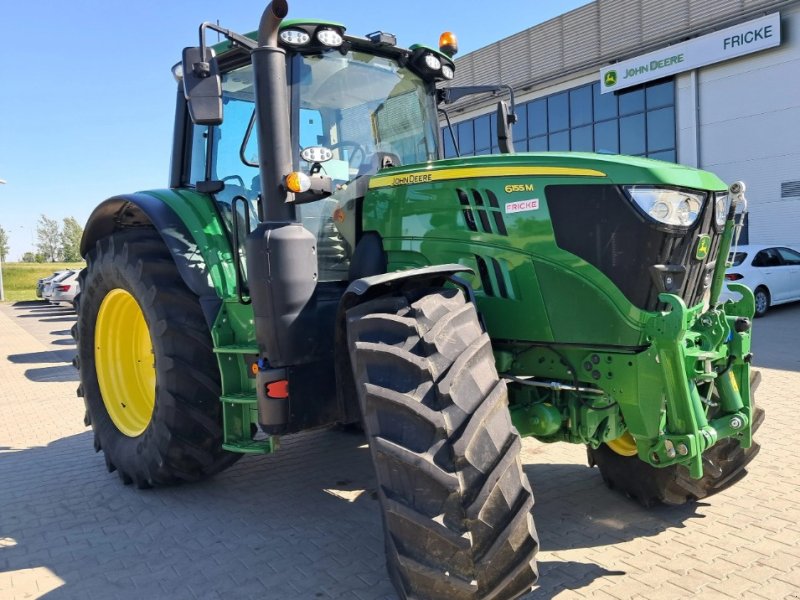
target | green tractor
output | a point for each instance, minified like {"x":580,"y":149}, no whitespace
{"x":316,"y":261}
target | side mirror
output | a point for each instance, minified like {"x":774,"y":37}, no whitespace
{"x":202,"y":86}
{"x":505,"y":140}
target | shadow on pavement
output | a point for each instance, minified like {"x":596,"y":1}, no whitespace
{"x":50,"y":374}
{"x":271,"y":527}
{"x":303,"y":523}
{"x":574,"y":509}
{"x":556,"y":577}
{"x":48,"y":356}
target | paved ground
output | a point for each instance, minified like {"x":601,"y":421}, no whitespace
{"x":303,"y":524}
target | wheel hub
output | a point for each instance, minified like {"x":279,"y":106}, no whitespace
{"x":624,"y":445}
{"x":124,"y":362}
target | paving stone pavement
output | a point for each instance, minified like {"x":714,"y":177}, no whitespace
{"x":304,"y":524}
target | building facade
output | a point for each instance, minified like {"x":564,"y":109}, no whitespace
{"x":713,"y":84}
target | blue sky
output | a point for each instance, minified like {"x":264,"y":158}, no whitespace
{"x":87,"y":97}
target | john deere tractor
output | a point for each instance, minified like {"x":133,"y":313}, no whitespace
{"x":316,"y":261}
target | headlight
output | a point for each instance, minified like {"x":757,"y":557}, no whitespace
{"x":671,"y":207}
{"x":447,"y":72}
{"x":294,"y":37}
{"x":329,"y":37}
{"x":721,"y":209}
{"x":433,"y":63}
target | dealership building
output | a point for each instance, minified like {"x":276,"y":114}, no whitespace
{"x":713,"y":84}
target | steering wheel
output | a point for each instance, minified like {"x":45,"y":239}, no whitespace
{"x":238,"y":179}
{"x":354,"y":150}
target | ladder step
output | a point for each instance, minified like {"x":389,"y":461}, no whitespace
{"x":237,"y":349}
{"x":239,"y":398}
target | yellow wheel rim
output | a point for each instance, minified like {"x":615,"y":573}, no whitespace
{"x":624,"y":445}
{"x":125,"y":363}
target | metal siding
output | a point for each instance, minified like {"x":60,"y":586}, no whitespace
{"x":581,"y":33}
{"x":620,"y":26}
{"x":515,"y":72}
{"x":486,"y":68}
{"x":703,"y":12}
{"x":546,"y":48}
{"x":660,"y":19}
{"x":600,"y":32}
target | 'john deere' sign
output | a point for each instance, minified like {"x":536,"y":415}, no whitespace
{"x":762,"y":33}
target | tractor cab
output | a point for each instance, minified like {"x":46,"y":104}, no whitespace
{"x":355,"y":105}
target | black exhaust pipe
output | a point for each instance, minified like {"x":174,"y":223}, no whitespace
{"x":281,"y":253}
{"x":272,"y":115}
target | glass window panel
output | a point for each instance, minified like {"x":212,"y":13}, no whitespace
{"x":520,"y":128}
{"x":631,"y":101}
{"x":580,"y":106}
{"x":559,"y":141}
{"x":660,"y":129}
{"x":605,"y":105}
{"x":606,"y":137}
{"x":449,"y":148}
{"x":660,"y":94}
{"x":538,"y":144}
{"x":537,"y":117}
{"x":631,"y":135}
{"x":558,"y":112}
{"x":521,"y":145}
{"x":483,"y":134}
{"x":466,"y":140}
{"x":667,"y":155}
{"x":581,"y":139}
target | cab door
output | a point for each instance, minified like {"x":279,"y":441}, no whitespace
{"x":788,"y":274}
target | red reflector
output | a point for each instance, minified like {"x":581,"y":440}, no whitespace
{"x":733,"y":277}
{"x":278,"y":389}
{"x":63,"y":288}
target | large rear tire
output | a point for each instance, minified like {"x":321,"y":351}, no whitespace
{"x":148,"y":373}
{"x":456,"y":503}
{"x":723,"y":465}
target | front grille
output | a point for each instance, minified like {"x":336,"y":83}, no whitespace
{"x":599,"y":224}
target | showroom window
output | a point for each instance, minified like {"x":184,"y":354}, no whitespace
{"x":639,"y":121}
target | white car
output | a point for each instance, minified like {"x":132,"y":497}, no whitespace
{"x":64,"y":291}
{"x":50,"y":282}
{"x":772,"y":272}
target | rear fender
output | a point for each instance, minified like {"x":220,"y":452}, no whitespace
{"x":191,"y":230}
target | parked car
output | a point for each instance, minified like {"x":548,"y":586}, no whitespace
{"x":47,"y":291}
{"x":41,"y":283}
{"x":64,"y":291}
{"x":772,"y":272}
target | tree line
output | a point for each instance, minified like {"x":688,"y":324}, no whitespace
{"x":56,"y":242}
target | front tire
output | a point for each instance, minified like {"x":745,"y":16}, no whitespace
{"x":148,"y":373}
{"x":723,"y":465}
{"x":762,"y":298}
{"x":456,"y":503}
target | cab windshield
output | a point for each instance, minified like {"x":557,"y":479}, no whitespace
{"x":370,"y":113}
{"x":359,"y":105}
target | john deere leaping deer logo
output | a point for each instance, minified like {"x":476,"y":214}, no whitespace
{"x":703,"y":246}
{"x":610,"y":78}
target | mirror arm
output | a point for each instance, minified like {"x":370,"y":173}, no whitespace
{"x":235,"y":38}
{"x":451,"y":95}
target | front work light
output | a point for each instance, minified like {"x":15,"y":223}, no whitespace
{"x":433,"y":63}
{"x":329,"y":37}
{"x":721,"y":203}
{"x":295,"y":37}
{"x":672,"y":207}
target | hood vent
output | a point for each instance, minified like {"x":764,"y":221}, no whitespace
{"x":481,"y":211}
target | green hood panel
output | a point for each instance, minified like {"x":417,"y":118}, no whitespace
{"x":614,"y":168}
